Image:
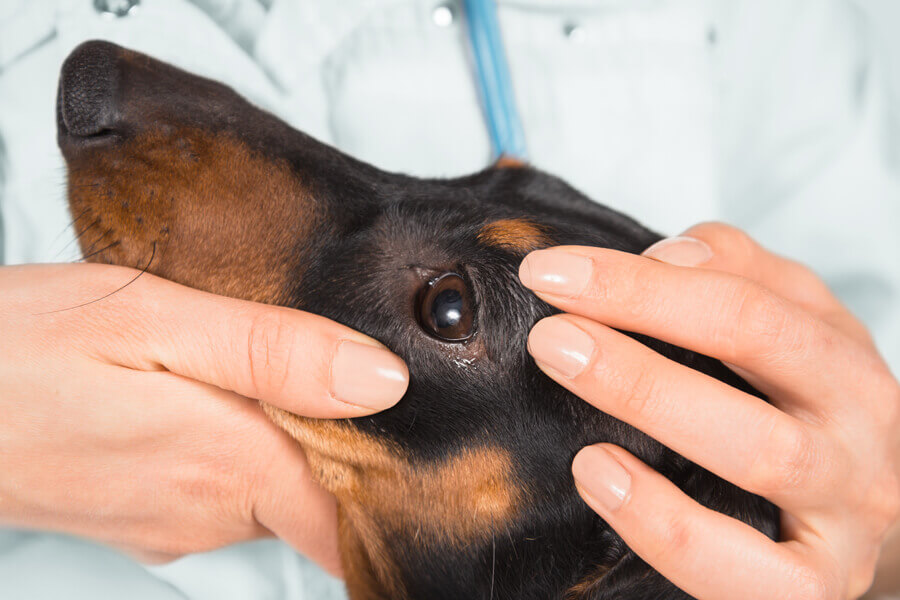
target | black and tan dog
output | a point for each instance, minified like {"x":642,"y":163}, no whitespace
{"x":463,"y":490}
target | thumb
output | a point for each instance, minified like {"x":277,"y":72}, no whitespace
{"x":289,"y":503}
{"x":297,"y":361}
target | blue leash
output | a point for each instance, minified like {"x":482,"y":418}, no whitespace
{"x":494,"y":82}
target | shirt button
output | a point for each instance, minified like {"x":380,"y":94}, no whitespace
{"x":116,"y":8}
{"x":574,"y":32}
{"x":443,"y":15}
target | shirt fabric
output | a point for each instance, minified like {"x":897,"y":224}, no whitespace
{"x":769,"y":114}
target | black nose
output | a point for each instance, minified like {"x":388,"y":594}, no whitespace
{"x":88,"y":90}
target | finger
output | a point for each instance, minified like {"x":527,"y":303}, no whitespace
{"x":191,"y":444}
{"x":726,"y":248}
{"x":739,"y":437}
{"x":260,"y":482}
{"x":260,"y":475}
{"x":718,"y":314}
{"x":295,"y":360}
{"x":707,"y":554}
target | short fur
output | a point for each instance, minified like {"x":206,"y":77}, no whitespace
{"x":463,"y":490}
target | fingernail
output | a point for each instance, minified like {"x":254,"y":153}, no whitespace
{"x":601,"y":476}
{"x":557,"y":343}
{"x":681,"y":251}
{"x":367,"y":376}
{"x":556,"y":272}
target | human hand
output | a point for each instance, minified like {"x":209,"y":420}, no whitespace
{"x":825,"y":451}
{"x":128,"y":421}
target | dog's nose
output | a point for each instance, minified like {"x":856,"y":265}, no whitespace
{"x":88,"y":90}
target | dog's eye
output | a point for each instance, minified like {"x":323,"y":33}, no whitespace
{"x":445,"y":308}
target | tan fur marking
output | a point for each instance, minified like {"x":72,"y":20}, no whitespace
{"x":508,"y":162}
{"x":467,"y":497}
{"x":587,"y":586}
{"x":464,"y":497}
{"x":223,"y":219}
{"x":520,"y":235}
{"x":366,"y":579}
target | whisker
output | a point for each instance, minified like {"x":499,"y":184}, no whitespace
{"x":77,"y":237}
{"x":115,"y":291}
{"x":84,"y":258}
{"x":71,"y":224}
{"x":97,"y":241}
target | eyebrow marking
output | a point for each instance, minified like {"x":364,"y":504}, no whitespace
{"x":518,"y":235}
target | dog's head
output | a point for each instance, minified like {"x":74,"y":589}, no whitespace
{"x":464,"y":488}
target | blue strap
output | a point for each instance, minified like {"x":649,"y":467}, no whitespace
{"x":494,"y":82}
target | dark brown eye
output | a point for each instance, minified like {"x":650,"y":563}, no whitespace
{"x":445,"y":308}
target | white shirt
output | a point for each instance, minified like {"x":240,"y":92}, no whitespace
{"x":769,"y":114}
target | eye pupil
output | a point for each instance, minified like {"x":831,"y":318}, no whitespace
{"x":445,"y":309}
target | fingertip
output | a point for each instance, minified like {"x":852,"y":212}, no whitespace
{"x":603,"y":481}
{"x":558,"y":343}
{"x":366,"y":376}
{"x":525,"y":275}
{"x":730,"y":245}
{"x":680,"y":251}
{"x":705,"y":228}
{"x":560,"y":271}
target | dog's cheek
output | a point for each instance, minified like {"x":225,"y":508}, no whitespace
{"x":460,"y":498}
{"x":463,"y":499}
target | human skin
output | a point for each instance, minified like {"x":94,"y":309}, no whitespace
{"x":825,"y":450}
{"x":134,"y":421}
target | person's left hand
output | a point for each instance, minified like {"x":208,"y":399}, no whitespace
{"x":825,"y":450}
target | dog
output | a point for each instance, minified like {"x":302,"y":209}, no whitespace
{"x":463,"y":489}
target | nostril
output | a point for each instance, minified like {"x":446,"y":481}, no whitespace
{"x":88,"y":89}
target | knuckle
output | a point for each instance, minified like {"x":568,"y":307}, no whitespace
{"x":674,"y":541}
{"x":640,"y":284}
{"x":637,"y":391}
{"x":785,"y":462}
{"x":270,"y":345}
{"x":761,"y":323}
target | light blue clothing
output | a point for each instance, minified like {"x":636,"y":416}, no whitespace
{"x":769,"y":114}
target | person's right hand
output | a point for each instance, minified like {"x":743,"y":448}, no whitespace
{"x":129,"y":420}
